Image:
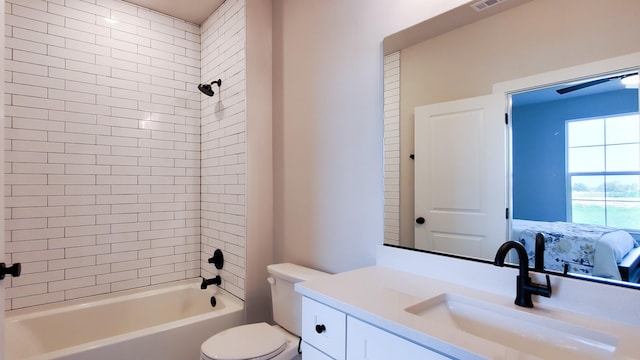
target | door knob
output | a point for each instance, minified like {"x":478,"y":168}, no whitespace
{"x":420,"y":220}
{"x":13,"y":270}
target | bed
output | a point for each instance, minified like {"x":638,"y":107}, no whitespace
{"x":581,"y":249}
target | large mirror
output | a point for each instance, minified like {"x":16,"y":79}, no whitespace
{"x":462,"y":55}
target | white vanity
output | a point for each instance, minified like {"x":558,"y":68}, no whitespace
{"x":408,"y":309}
{"x":329,"y":333}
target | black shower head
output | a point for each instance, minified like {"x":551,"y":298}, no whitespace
{"x":206,"y":88}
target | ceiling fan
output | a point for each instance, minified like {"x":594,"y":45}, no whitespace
{"x":592,"y":83}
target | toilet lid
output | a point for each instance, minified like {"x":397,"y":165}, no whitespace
{"x":252,"y":341}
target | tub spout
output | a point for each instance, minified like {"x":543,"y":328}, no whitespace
{"x":215,"y":281}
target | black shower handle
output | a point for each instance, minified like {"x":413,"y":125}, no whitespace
{"x":13,"y":270}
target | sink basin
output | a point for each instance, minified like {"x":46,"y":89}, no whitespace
{"x":522,"y":331}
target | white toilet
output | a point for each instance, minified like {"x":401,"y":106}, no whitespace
{"x":261,"y":341}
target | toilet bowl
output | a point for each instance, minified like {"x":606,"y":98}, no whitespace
{"x":261,"y":341}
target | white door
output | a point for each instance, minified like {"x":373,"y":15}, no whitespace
{"x":460,"y":176}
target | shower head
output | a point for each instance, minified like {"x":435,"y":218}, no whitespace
{"x":206,"y":88}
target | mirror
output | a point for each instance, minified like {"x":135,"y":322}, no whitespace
{"x":463,"y":54}
{"x":576,"y":176}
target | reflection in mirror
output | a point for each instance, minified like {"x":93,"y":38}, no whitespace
{"x":466,"y":61}
{"x":576,"y":176}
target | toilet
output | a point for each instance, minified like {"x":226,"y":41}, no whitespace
{"x":261,"y":341}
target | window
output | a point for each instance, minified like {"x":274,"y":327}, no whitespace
{"x":603,"y":171}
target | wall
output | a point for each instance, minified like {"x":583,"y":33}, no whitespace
{"x":2,"y":255}
{"x":538,"y":138}
{"x":237,"y":165}
{"x":260,"y":241}
{"x":504,"y":47}
{"x":223,"y":132}
{"x":102,"y":149}
{"x":121,"y":173}
{"x":328,"y":132}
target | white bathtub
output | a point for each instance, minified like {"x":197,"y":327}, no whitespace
{"x":161,"y":322}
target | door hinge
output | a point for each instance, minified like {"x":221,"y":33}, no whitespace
{"x":506,"y":213}
{"x":506,"y":119}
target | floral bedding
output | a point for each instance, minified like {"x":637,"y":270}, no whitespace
{"x":587,"y":249}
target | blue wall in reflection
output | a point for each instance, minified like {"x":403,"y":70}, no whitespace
{"x":538,"y":145}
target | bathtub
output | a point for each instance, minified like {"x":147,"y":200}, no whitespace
{"x":161,"y":322}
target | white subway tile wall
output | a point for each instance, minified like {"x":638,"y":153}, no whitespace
{"x":103,"y":153}
{"x":392,"y":148}
{"x":223,"y":147}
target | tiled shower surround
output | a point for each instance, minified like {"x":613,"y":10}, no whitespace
{"x":119,"y":173}
{"x":392,"y":148}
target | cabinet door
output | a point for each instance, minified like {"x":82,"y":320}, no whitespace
{"x":311,"y":353}
{"x":367,"y":342}
{"x":324,"y":328}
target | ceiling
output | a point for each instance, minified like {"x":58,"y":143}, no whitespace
{"x":194,"y":11}
{"x":549,"y":93}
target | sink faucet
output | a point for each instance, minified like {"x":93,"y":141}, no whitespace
{"x":524,"y":287}
{"x":539,"y":263}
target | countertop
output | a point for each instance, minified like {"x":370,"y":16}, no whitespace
{"x":379,"y":295}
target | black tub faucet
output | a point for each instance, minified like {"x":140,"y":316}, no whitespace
{"x":215,"y":281}
{"x":524,"y":287}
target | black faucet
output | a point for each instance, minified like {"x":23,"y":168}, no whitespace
{"x":215,"y":281}
{"x":539,"y":263}
{"x":524,"y":287}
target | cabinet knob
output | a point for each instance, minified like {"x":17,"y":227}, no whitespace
{"x":420,"y":220}
{"x":320,"y":328}
{"x":13,"y":270}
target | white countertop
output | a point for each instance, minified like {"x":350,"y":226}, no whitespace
{"x":379,"y":295}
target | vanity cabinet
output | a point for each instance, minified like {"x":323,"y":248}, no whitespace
{"x":367,"y":342}
{"x":311,"y":353}
{"x":328,"y":334}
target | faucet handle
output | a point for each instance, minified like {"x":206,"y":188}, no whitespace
{"x":542,"y":290}
{"x":548,"y":287}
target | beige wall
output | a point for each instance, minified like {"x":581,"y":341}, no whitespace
{"x":328,"y":193}
{"x":259,"y":161}
{"x":536,"y":37}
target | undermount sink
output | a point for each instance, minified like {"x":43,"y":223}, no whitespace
{"x":522,"y":331}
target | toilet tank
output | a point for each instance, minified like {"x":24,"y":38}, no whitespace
{"x":286,"y":302}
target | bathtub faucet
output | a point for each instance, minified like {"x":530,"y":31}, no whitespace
{"x":215,"y":281}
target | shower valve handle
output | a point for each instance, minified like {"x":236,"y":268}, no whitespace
{"x":13,"y":270}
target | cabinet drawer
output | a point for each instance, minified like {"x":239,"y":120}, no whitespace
{"x":324,"y":328}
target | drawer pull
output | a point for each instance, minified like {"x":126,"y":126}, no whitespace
{"x":320,"y":328}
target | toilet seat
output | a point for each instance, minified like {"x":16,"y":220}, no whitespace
{"x":259,"y":341}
